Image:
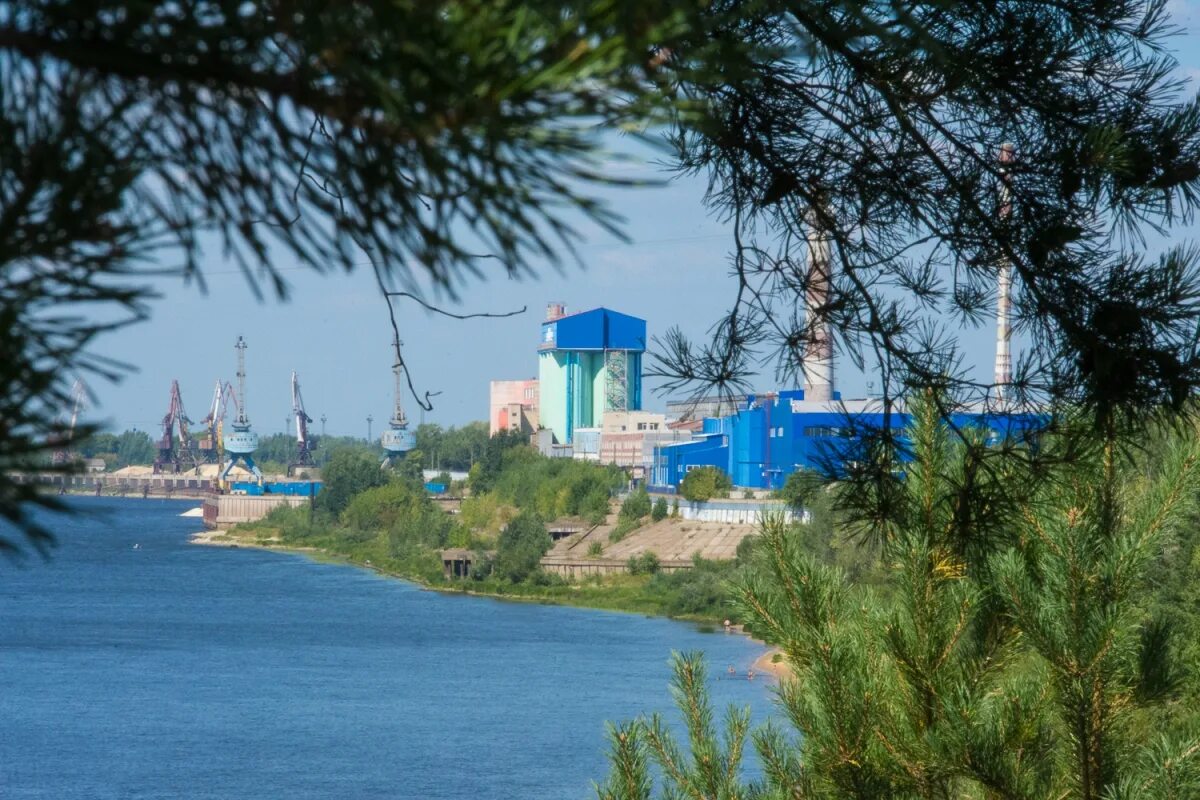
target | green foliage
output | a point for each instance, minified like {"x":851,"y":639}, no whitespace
{"x":659,"y":512}
{"x":675,"y":508}
{"x":636,"y":505}
{"x":745,"y":551}
{"x":408,"y":468}
{"x":348,"y":473}
{"x":801,"y":488}
{"x":451,"y":448}
{"x":486,"y":471}
{"x":702,"y":591}
{"x":555,"y":487}
{"x":595,"y":549}
{"x":1007,"y":652}
{"x":624,"y":527}
{"x":269,"y":467}
{"x":402,"y":512}
{"x":120,"y":450}
{"x":594,"y":507}
{"x":521,"y":546}
{"x":645,"y":564}
{"x":713,"y":766}
{"x":705,"y":483}
{"x":484,"y":514}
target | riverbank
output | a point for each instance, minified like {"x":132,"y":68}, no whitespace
{"x":624,"y":593}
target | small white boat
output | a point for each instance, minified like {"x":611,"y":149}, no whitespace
{"x":198,"y":511}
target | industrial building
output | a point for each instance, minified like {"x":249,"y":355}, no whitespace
{"x":701,"y":408}
{"x":589,"y":364}
{"x":773,"y":435}
{"x":513,"y":406}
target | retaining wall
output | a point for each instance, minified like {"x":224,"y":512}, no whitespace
{"x":737,"y":512}
{"x":229,"y":509}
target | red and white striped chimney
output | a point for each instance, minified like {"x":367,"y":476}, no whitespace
{"x":1003,"y":377}
{"x":818,"y":361}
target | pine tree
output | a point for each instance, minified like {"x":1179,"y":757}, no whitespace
{"x":1007,"y":655}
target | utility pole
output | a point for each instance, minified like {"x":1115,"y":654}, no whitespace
{"x":370,"y":419}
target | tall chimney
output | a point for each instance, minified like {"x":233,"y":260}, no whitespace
{"x":818,"y":361}
{"x":1003,"y":377}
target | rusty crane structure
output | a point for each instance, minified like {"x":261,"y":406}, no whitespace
{"x":176,"y":448}
{"x":304,"y":443}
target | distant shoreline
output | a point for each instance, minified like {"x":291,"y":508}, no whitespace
{"x":765,"y":664}
{"x":129,"y":495}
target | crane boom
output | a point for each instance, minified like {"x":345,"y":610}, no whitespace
{"x":78,"y":395}
{"x":175,"y":429}
{"x":62,"y":455}
{"x":303,"y":445}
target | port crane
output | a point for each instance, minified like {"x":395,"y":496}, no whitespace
{"x":176,"y":450}
{"x":242,"y":443}
{"x":304,"y":445}
{"x":397,"y":439}
{"x":223,"y":396}
{"x":63,"y":455}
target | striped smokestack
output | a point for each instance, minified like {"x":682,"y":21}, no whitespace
{"x":818,"y":362}
{"x":1003,"y":377}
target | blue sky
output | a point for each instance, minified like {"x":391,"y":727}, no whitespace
{"x":334,"y":330}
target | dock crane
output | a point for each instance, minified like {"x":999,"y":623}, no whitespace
{"x":63,"y":455}
{"x":304,"y":444}
{"x":397,"y":439}
{"x":223,"y":395}
{"x":175,"y":448}
{"x":242,"y":443}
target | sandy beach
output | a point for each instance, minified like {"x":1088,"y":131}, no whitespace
{"x":767,"y":665}
{"x":214,"y":538}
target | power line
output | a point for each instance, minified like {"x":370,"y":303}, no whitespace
{"x":596,"y":246}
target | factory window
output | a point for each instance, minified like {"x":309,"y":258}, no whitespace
{"x":824,"y":431}
{"x":779,"y":431}
{"x":641,"y":426}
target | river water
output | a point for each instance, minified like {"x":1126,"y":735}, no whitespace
{"x":170,"y":670}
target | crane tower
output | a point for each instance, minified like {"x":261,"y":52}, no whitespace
{"x":175,"y":450}
{"x":242,"y":442}
{"x":397,"y":439}
{"x":304,"y":444}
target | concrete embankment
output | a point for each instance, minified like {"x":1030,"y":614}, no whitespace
{"x":109,"y":485}
{"x":226,"y":510}
{"x":676,"y":542}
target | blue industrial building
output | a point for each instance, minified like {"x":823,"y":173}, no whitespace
{"x":773,"y":435}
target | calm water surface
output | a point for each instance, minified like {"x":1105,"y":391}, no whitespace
{"x":179,"y":671}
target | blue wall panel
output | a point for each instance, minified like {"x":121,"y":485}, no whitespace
{"x":759,"y":446}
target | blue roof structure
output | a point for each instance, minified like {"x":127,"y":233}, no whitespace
{"x":599,"y":329}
